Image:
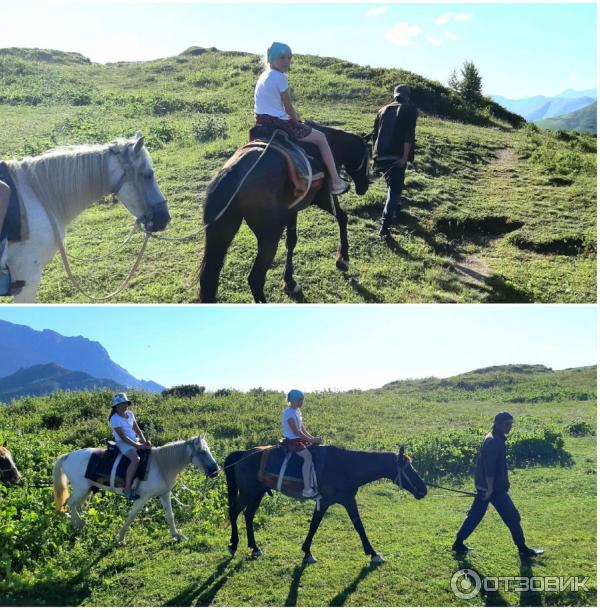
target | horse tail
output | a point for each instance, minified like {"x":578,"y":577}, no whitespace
{"x":232,"y":487}
{"x":61,"y":491}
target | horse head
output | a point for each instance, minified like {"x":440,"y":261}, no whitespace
{"x":133,"y":182}
{"x":202,"y":457}
{"x":408,"y":478}
{"x":8,"y":470}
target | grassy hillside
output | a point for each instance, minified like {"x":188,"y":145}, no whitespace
{"x":494,"y":211}
{"x":582,"y":120}
{"x":552,"y":453}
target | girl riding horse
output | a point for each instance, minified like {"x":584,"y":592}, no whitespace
{"x":273,"y":108}
{"x":4,"y":273}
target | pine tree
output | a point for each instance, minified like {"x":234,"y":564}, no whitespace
{"x":454,"y":81}
{"x":470,"y":85}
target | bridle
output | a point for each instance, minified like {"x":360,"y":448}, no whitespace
{"x":402,"y":478}
{"x":196,"y":453}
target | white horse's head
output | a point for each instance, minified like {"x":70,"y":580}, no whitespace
{"x":133,"y":182}
{"x":202,"y":457}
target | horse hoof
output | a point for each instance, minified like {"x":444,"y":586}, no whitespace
{"x":377,"y":560}
{"x":256,"y":553}
{"x":232,"y":549}
{"x":292,"y":290}
{"x":309,"y":560}
{"x":179,"y":537}
{"x":342,"y":264}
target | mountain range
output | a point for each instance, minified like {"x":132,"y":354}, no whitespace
{"x":541,"y":107}
{"x":42,"y":379}
{"x":23,"y":347}
{"x":583,"y":120}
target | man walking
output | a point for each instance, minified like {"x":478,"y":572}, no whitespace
{"x":491,"y":481}
{"x":393,"y":147}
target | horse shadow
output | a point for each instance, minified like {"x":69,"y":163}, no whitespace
{"x":489,"y":598}
{"x":503,"y":292}
{"x":365,"y":293}
{"x":342,"y":596}
{"x":71,"y":591}
{"x":292,"y":598}
{"x":205,"y":593}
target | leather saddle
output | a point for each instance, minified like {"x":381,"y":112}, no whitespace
{"x":281,"y":469}
{"x":109,"y":466}
{"x":13,"y":228}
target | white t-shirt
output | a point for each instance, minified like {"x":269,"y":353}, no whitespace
{"x":291,"y":413}
{"x":267,"y":94}
{"x":125,"y":423}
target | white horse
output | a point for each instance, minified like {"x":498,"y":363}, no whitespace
{"x":164,"y":466}
{"x":58,"y":185}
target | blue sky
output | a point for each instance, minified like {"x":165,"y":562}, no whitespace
{"x":519,"y":49}
{"x":317,"y":347}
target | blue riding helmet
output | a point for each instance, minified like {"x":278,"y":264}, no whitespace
{"x":277,"y":49}
{"x":294,"y":395}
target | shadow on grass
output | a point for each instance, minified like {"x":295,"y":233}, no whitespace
{"x":56,"y":591}
{"x":365,"y":293}
{"x":504,"y":292}
{"x":204,"y":593}
{"x":489,"y":598}
{"x":529,"y":598}
{"x":342,"y":596}
{"x":292,"y":598}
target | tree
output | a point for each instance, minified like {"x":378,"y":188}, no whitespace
{"x":468,"y":84}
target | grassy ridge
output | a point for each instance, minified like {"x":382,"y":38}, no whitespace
{"x":45,"y":563}
{"x":493,"y":211}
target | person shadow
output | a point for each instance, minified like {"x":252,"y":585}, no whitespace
{"x":205,"y":593}
{"x":529,"y":598}
{"x":489,"y":598}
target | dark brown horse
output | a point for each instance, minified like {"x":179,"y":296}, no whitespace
{"x":263,"y":202}
{"x":340,"y":474}
{"x":9,"y":473}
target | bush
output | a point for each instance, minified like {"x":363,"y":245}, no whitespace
{"x":206,"y":129}
{"x":222,"y":392}
{"x":184,"y":391}
{"x":580,"y":428}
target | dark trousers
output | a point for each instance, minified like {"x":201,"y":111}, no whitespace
{"x":508,"y":512}
{"x":395,"y":183}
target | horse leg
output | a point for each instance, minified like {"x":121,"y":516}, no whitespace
{"x":312,"y":530}
{"x":331,"y":205}
{"x":135,"y":509}
{"x":267,"y":247}
{"x":219,"y":236}
{"x":74,"y":503}
{"x":249,"y":517}
{"x":352,"y":509}
{"x":234,"y":511}
{"x":291,"y":239}
{"x":166,"y":502}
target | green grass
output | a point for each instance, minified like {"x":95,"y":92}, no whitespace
{"x":51,"y":565}
{"x":493,"y":212}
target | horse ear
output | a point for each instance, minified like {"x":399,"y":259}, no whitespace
{"x":139,"y":143}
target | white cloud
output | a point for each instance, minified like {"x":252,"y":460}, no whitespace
{"x":449,"y":17}
{"x":403,"y":34}
{"x":376,"y":11}
{"x":438,"y":41}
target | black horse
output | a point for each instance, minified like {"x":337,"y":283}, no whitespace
{"x":342,"y":473}
{"x":263,"y":202}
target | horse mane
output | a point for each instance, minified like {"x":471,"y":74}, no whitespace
{"x":68,"y":176}
{"x":169,"y":456}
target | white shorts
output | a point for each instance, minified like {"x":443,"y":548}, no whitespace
{"x":124,"y":447}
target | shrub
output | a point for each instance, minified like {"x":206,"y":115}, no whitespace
{"x":580,"y":428}
{"x":222,"y":392}
{"x":184,"y":391}
{"x":206,"y":129}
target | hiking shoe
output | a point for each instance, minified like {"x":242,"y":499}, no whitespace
{"x":131,"y":495}
{"x":310,"y":494}
{"x":342,"y":188}
{"x":528,"y":553}
{"x":460,"y":549}
{"x":5,"y":282}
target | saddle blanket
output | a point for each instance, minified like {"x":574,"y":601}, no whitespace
{"x":292,"y":482}
{"x":13,"y":228}
{"x":102,"y":462}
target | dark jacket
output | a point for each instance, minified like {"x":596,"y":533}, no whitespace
{"x":394,"y":125}
{"x":491,"y":462}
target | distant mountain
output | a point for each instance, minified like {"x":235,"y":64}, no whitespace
{"x":583,"y":120}
{"x":42,"y":379}
{"x":540,"y":107}
{"x":23,"y":347}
